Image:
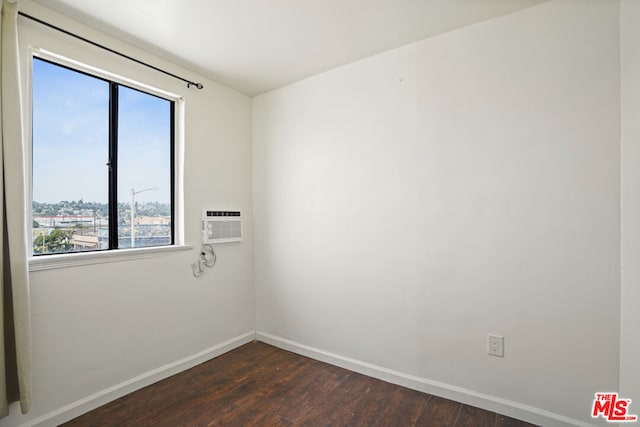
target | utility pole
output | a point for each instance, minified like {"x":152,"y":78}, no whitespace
{"x":133,"y":211}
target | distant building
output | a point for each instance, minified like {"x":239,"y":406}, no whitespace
{"x":81,"y":242}
{"x":152,"y":220}
{"x":62,"y":221}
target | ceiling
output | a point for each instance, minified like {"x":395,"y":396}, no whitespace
{"x":258,"y":45}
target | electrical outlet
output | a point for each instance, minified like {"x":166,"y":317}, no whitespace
{"x":495,"y":345}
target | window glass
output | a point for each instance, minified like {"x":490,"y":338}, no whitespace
{"x":70,"y":152}
{"x":76,"y":203}
{"x":144,"y":157}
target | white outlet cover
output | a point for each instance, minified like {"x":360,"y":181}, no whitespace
{"x":495,"y":345}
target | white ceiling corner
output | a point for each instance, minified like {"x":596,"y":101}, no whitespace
{"x":258,"y":45}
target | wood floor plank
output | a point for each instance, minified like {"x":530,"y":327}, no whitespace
{"x":327,"y":414}
{"x":439,"y":411}
{"x":405,"y":408}
{"x":362,"y":395}
{"x":504,"y":421}
{"x":311,"y":387}
{"x":475,"y":417}
{"x":261,"y":385}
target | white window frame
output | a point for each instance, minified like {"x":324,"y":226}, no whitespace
{"x":71,"y":259}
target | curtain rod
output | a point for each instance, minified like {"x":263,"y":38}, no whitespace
{"x":69,"y":33}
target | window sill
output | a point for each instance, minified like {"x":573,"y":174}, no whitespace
{"x":47,"y":262}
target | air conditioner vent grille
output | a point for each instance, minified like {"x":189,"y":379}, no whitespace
{"x":221,"y":226}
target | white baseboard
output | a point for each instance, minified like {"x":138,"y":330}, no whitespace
{"x":469,"y":397}
{"x":491,"y":403}
{"x":107,"y":395}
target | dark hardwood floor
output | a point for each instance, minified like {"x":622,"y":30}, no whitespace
{"x":261,"y":385}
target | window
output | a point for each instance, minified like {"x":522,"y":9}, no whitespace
{"x":102,"y":163}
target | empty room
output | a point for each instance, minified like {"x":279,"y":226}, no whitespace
{"x":320,"y":213}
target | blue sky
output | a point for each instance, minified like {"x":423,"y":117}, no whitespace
{"x":70,"y":139}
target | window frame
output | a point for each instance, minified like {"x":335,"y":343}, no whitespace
{"x":55,"y":260}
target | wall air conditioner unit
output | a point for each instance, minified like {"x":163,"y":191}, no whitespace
{"x":221,"y":226}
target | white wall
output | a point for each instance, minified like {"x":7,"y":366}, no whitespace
{"x":101,"y":326}
{"x":410,"y":203}
{"x":630,"y":316}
